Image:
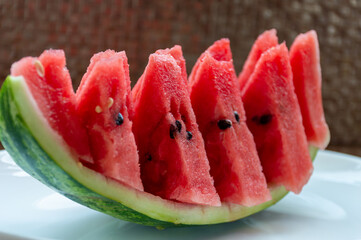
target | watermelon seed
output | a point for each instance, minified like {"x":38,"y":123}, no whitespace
{"x":236,"y":116}
{"x":189,"y":135}
{"x":39,"y":68}
{"x":224,"y":124}
{"x":110,"y":102}
{"x":119,"y":120}
{"x":263,"y":120}
{"x":98,"y":109}
{"x":148,"y":157}
{"x":172,"y":130}
{"x":179,"y":125}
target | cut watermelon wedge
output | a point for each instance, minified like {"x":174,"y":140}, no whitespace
{"x":173,"y":160}
{"x":103,"y":103}
{"x":56,"y":95}
{"x":230,"y":147}
{"x":305,"y":62}
{"x":264,"y":42}
{"x":275,"y":120}
{"x":41,"y":130}
{"x":41,"y":151}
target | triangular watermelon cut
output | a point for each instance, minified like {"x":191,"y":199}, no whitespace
{"x":51,"y":86}
{"x":305,"y":62}
{"x":173,"y":160}
{"x":232,"y":153}
{"x":105,"y":108}
{"x":274,"y":118}
{"x":264,"y":42}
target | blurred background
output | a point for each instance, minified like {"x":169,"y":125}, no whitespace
{"x":140,"y":27}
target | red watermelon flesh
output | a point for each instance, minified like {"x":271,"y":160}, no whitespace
{"x":173,"y":160}
{"x":103,"y":103}
{"x":55,"y":97}
{"x":305,"y":62}
{"x":274,"y":118}
{"x":232,"y":153}
{"x":264,"y":41}
{"x":93,"y":61}
{"x":176,"y":53}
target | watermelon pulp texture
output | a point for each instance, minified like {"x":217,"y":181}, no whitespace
{"x":275,"y":120}
{"x":230,"y":147}
{"x":173,"y":160}
{"x":177,"y":54}
{"x":103,"y":102}
{"x":264,"y":42}
{"x":56,"y":95}
{"x":305,"y":62}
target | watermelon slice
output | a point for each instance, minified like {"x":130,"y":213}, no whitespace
{"x":230,"y":147}
{"x":173,"y":160}
{"x":41,"y":151}
{"x":105,"y":107}
{"x":264,"y":42}
{"x":56,"y":95}
{"x":305,"y":62}
{"x":42,"y":131}
{"x":274,"y":118}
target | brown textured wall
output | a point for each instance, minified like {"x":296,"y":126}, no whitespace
{"x":140,"y":27}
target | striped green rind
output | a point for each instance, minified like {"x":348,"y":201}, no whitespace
{"x":37,"y":149}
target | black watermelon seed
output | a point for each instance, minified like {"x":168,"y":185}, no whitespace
{"x":236,"y":116}
{"x":264,"y":119}
{"x":148,"y":157}
{"x":224,"y":124}
{"x":189,"y":135}
{"x":119,"y":120}
{"x":172,"y":130}
{"x":179,"y":125}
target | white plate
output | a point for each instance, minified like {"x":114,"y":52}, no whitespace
{"x":329,"y":207}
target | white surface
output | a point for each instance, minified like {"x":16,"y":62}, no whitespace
{"x":329,"y":207}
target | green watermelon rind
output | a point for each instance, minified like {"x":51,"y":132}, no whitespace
{"x":41,"y":152}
